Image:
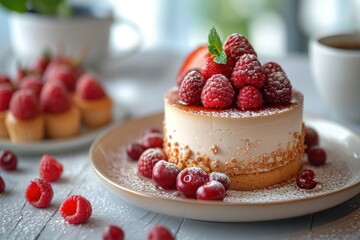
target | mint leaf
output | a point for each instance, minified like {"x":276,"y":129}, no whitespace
{"x":48,"y":7}
{"x":221,"y":58}
{"x":17,"y":6}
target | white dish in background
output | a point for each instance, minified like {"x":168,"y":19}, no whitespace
{"x":339,"y":179}
{"x":85,"y":138}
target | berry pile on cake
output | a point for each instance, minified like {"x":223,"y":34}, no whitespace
{"x":52,"y":99}
{"x":231,"y":114}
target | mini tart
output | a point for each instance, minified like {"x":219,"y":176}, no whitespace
{"x":96,"y":112}
{"x":22,"y":131}
{"x":63,"y":125}
{"x":3,"y":130}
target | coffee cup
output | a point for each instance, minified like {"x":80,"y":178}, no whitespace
{"x":335,"y":64}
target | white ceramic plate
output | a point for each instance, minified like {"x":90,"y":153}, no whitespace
{"x":85,"y":138}
{"x":339,"y":179}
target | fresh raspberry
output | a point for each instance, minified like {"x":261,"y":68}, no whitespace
{"x":248,"y":71}
{"x":50,"y":169}
{"x":306,"y":179}
{"x":210,"y":68}
{"x":8,"y":160}
{"x":63,"y":62}
{"x":180,"y":78}
{"x":2,"y":185}
{"x":237,"y":45}
{"x":159,"y":232}
{"x":311,"y":138}
{"x":65,"y":75}
{"x":75,"y":209}
{"x":164,"y":174}
{"x":277,"y":89}
{"x":134,"y":150}
{"x":33,"y":83}
{"x":222,"y":178}
{"x":24,"y":104}
{"x":89,"y":88}
{"x":5,"y":79}
{"x":189,"y":180}
{"x":113,"y":233}
{"x":316,"y":156}
{"x":6,"y":92}
{"x":55,"y":98}
{"x":249,"y":98}
{"x":39,"y":193}
{"x":148,"y":159}
{"x":271,"y":67}
{"x":191,"y":87}
{"x":217,"y":92}
{"x":212,"y":190}
{"x":153,"y":140}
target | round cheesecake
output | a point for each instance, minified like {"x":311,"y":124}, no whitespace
{"x":255,"y":148}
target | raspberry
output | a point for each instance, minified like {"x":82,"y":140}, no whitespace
{"x":159,"y":232}
{"x":49,"y":168}
{"x":2,"y":185}
{"x":220,"y":177}
{"x":311,"y":138}
{"x":306,"y":179}
{"x":66,"y":75}
{"x":8,"y":160}
{"x":248,"y":71}
{"x":153,"y":140}
{"x":180,"y":78}
{"x":6,"y":92}
{"x":217,"y":92}
{"x":39,"y":193}
{"x":191,"y":87}
{"x":75,"y":209}
{"x":210,"y":68}
{"x":212,"y":190}
{"x":189,"y":180}
{"x":24,"y":104}
{"x":113,"y":233}
{"x":271,"y":67}
{"x":89,"y":88}
{"x":316,"y":156}
{"x":33,"y":83}
{"x":134,"y":150}
{"x":5,"y":79}
{"x":277,"y":89}
{"x":249,"y":98}
{"x":164,"y":174}
{"x":237,"y":45}
{"x":148,"y":159}
{"x":55,"y":98}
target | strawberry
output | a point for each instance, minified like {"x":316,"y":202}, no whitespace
{"x":89,"y":88}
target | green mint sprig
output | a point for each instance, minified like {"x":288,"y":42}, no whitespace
{"x":215,"y":47}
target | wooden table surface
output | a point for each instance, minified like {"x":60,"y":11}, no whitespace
{"x":138,"y":84}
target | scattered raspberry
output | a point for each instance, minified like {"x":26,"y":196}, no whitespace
{"x":222,"y":178}
{"x":277,"y":89}
{"x":212,"y":190}
{"x":5,"y":79}
{"x":148,"y":159}
{"x":159,"y":232}
{"x":153,"y":140}
{"x":210,"y":68}
{"x":50,"y":169}
{"x":311,"y":138}
{"x":6,"y":92}
{"x":2,"y":185}
{"x":271,"y":67}
{"x":164,"y":174}
{"x":113,"y":233}
{"x":237,"y":45}
{"x":8,"y":160}
{"x":316,"y":156}
{"x":134,"y":150}
{"x":55,"y":98}
{"x":249,"y":98}
{"x":217,"y":92}
{"x":191,"y":87}
{"x":24,"y":104}
{"x":189,"y":180}
{"x":75,"y":209}
{"x":33,"y":83}
{"x":39,"y":193}
{"x":306,"y":179}
{"x":89,"y":88}
{"x":248,"y":71}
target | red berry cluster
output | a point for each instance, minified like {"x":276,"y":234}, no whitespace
{"x":157,"y":232}
{"x":239,"y":80}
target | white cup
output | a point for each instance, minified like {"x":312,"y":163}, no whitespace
{"x":335,"y":63}
{"x":87,"y":32}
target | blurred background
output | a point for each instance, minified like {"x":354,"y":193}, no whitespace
{"x":275,"y":28}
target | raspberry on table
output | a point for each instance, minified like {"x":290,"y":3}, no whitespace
{"x":249,"y":98}
{"x":49,"y":168}
{"x":164,"y":174}
{"x":148,"y":159}
{"x":212,"y":190}
{"x":271,"y":67}
{"x":113,"y":232}
{"x":191,"y":87}
{"x":217,"y":92}
{"x":2,"y":185}
{"x":8,"y":160}
{"x":39,"y":193}
{"x":159,"y":232}
{"x":237,"y":45}
{"x":75,"y":209}
{"x":316,"y":156}
{"x":248,"y":71}
{"x":277,"y":89}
